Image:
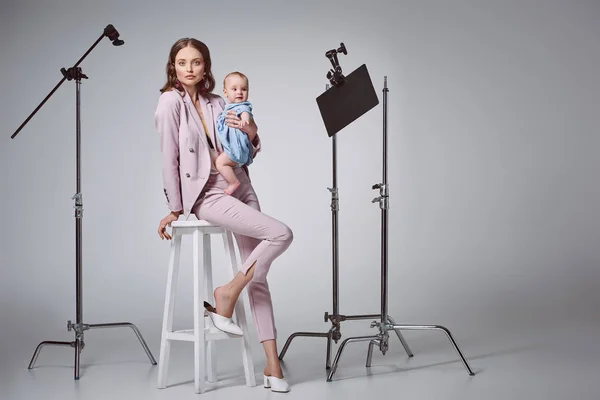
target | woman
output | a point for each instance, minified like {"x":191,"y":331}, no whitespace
{"x":185,"y":118}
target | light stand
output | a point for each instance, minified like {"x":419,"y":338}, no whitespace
{"x":354,"y":97}
{"x":79,"y":327}
{"x":349,"y":98}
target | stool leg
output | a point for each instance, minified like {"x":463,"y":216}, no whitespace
{"x":240,"y":312}
{"x":211,"y":360}
{"x":199,"y":360}
{"x":167,"y":325}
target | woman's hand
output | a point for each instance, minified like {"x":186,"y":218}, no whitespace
{"x":166,"y":221}
{"x":233,"y":121}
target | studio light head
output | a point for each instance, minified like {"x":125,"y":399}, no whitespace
{"x":113,"y":35}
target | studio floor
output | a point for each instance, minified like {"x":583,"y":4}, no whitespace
{"x":561,"y":363}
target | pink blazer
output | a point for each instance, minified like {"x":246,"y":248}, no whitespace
{"x":184,"y":146}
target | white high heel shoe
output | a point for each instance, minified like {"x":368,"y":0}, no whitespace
{"x":279,"y":385}
{"x":222,"y":323}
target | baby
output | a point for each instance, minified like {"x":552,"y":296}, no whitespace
{"x":237,"y":149}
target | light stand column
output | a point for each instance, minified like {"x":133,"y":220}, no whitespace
{"x":386,"y":323}
{"x":333,"y":333}
{"x":79,"y":327}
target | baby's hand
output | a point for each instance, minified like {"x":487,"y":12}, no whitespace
{"x":243,"y":124}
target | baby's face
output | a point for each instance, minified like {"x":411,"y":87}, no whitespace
{"x":236,"y":89}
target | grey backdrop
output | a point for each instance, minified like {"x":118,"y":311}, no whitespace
{"x":493,"y":161}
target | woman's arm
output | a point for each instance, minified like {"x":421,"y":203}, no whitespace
{"x":233,"y":121}
{"x":166,"y":120}
{"x":251,"y":129}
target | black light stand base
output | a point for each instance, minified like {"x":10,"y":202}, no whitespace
{"x":78,"y":344}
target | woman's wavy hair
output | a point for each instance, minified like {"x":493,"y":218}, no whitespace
{"x":207,"y":84}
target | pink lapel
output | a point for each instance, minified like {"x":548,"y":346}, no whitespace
{"x":209,"y":118}
{"x":198,"y":133}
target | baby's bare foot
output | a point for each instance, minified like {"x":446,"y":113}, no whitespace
{"x":224,"y":301}
{"x":232,"y":187}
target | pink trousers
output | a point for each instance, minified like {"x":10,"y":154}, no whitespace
{"x":260,"y":238}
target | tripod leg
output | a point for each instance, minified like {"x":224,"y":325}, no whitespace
{"x":404,"y":344}
{"x":135,"y":329}
{"x":78,"y":348}
{"x":341,"y":349}
{"x":329,"y":339}
{"x":306,"y":334}
{"x":370,"y":352}
{"x":448,"y":334}
{"x":50,"y":343}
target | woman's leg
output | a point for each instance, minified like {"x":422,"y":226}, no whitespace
{"x":275,"y":237}
{"x":273,"y":367}
{"x":260,"y":239}
{"x":262,"y":311}
{"x":232,"y":214}
{"x":260,"y":301}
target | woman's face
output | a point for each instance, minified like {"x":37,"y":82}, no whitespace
{"x":189,"y":66}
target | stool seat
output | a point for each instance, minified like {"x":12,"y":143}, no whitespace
{"x":192,"y":223}
{"x":204,"y":333}
{"x":188,"y":226}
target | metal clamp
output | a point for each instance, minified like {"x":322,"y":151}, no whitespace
{"x":383,"y":198}
{"x":78,"y":328}
{"x":383,"y":336}
{"x":334,"y":200}
{"x":78,"y":197}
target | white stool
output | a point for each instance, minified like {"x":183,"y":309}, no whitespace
{"x":204,"y":333}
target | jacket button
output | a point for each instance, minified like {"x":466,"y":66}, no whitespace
{"x":187,"y":175}
{"x":191,"y":149}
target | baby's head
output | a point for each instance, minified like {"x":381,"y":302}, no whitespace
{"x":235,"y":87}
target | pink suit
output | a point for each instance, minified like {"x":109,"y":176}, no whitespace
{"x":190,"y":186}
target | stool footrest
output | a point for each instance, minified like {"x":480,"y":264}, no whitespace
{"x":187,"y":335}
